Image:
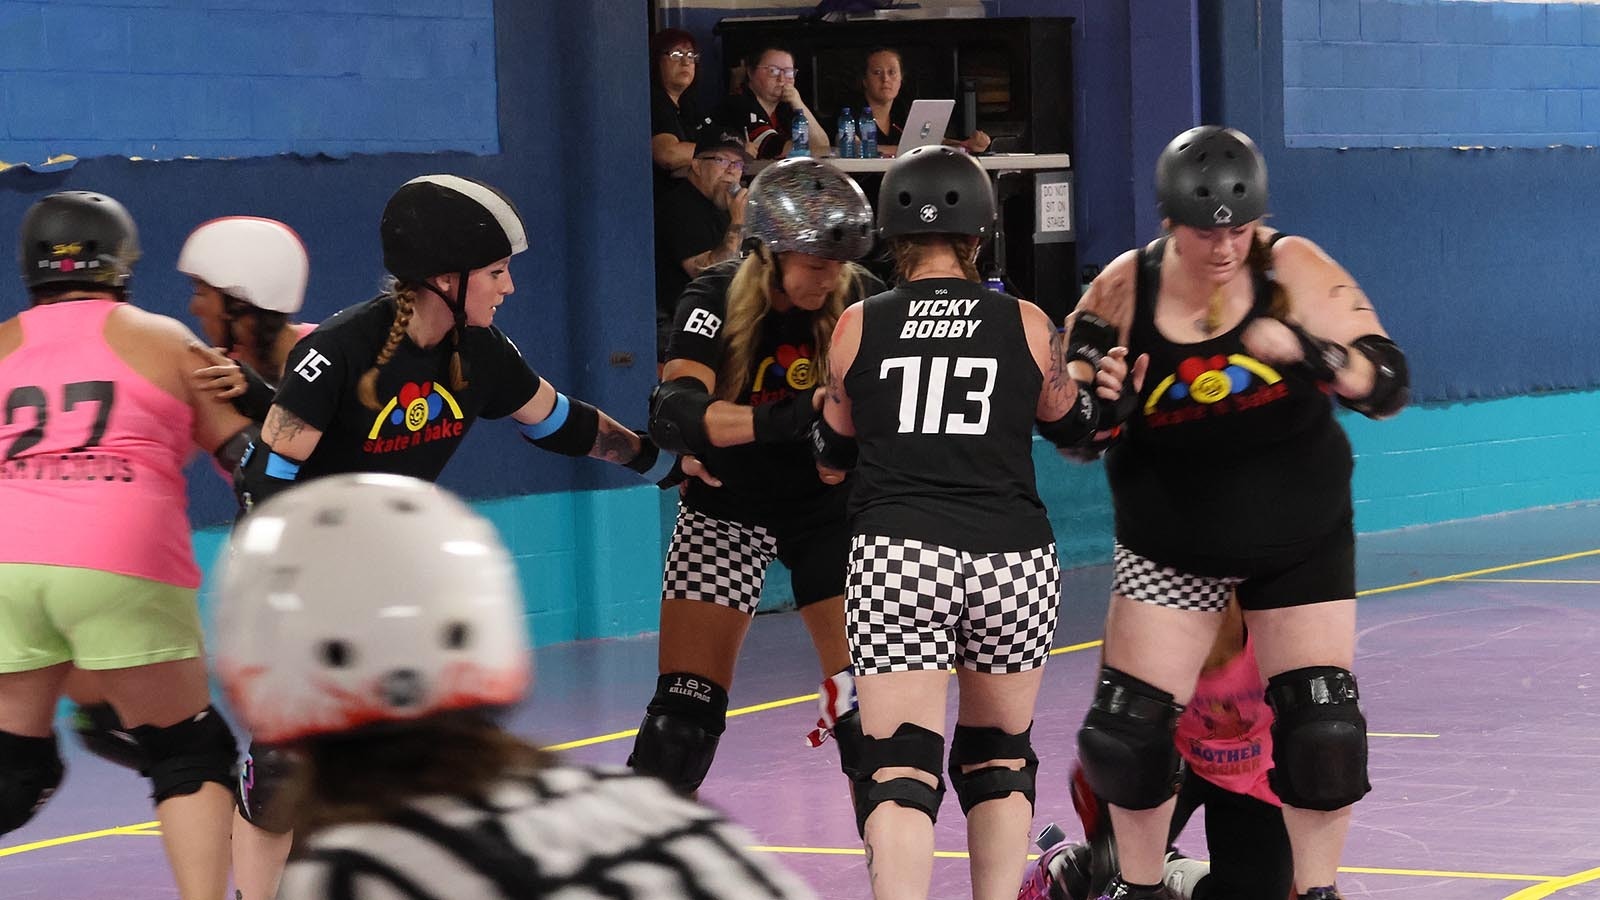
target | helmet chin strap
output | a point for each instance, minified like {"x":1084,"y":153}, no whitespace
{"x":458,"y":306}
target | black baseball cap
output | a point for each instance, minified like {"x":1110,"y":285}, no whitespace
{"x":714,"y":137}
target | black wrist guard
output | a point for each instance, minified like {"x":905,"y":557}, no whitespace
{"x":660,"y":467}
{"x":787,"y":420}
{"x":1323,"y":358}
{"x":832,"y":449}
{"x":1079,"y":424}
{"x":1091,"y":339}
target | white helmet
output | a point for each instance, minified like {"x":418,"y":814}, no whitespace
{"x":260,"y":261}
{"x":366,"y":598}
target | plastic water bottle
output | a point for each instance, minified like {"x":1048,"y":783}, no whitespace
{"x":847,"y":135}
{"x":867,"y":128}
{"x":800,"y":136}
{"x":995,"y":283}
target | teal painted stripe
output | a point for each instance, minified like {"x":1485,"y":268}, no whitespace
{"x":590,"y":561}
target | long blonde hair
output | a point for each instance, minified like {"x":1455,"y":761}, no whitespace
{"x":405,"y":305}
{"x":749,"y":301}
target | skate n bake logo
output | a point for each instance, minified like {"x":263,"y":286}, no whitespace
{"x":419,"y":413}
{"x":790,"y":367}
{"x":1207,"y":386}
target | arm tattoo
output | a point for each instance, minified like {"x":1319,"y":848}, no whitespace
{"x":1058,"y":360}
{"x":872,"y":876}
{"x":613,"y":443}
{"x":281,"y":426}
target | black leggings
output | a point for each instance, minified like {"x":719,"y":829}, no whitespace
{"x":1245,"y":839}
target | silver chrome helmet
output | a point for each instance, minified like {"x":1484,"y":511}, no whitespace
{"x":806,"y":206}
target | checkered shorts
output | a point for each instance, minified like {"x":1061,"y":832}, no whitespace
{"x":718,"y":561}
{"x":916,"y":606}
{"x":1137,"y":578}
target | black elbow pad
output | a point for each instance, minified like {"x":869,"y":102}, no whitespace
{"x":678,"y":416}
{"x":1391,"y":379}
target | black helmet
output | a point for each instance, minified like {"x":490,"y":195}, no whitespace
{"x":935,"y":190}
{"x":1211,"y":176}
{"x":446,"y":223}
{"x":78,"y":237}
{"x":806,"y":206}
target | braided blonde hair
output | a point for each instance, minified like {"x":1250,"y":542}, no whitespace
{"x":405,"y":303}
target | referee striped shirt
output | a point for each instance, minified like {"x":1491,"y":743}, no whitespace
{"x":564,"y":833}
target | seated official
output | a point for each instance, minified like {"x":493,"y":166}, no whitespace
{"x":675,"y":116}
{"x":698,"y":220}
{"x":881,"y":79}
{"x":764,"y":111}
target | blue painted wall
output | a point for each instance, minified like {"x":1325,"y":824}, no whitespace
{"x":168,"y":78}
{"x":1475,"y":259}
{"x":1440,"y":73}
{"x":583,"y":294}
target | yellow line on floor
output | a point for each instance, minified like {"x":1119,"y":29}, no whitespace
{"x":1534,"y":580}
{"x":1461,"y":576}
{"x":1555,"y":885}
{"x":74,"y":838}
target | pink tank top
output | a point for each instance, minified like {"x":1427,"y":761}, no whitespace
{"x":91,"y":454}
{"x":1225,"y":733}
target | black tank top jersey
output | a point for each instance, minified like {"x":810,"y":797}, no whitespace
{"x":762,"y":484}
{"x":1229,"y":466}
{"x":421,"y":420}
{"x":943,"y":391}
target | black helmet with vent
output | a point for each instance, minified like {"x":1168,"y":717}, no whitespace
{"x":77,"y":238}
{"x":936,"y":190}
{"x":1211,"y":177}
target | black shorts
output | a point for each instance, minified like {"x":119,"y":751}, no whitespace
{"x":725,"y":562}
{"x":1327,"y":572}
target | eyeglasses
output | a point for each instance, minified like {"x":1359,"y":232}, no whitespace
{"x":779,"y":71}
{"x":725,"y":162}
{"x":681,"y":55}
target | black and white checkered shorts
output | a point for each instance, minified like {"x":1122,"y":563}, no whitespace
{"x":718,"y":561}
{"x":915,"y":606}
{"x":1139,"y":578}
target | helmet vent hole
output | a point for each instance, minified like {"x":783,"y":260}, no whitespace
{"x":1202,"y":192}
{"x":951,"y":198}
{"x":457,"y":635}
{"x":400,"y":504}
{"x":336,"y":654}
{"x":1183,"y":147}
{"x":836,"y":234}
{"x":904,"y":198}
{"x":1200,"y":157}
{"x":329,"y":517}
{"x":1239,"y":189}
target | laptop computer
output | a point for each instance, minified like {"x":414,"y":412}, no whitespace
{"x":926,"y":123}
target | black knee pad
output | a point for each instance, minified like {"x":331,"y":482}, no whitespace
{"x":262,"y":774}
{"x":682,"y":726}
{"x":101,"y":732}
{"x":183,"y":757}
{"x":847,"y":735}
{"x":911,"y":746}
{"x":30,"y":771}
{"x":1319,"y":738}
{"x":972,"y":745}
{"x":1126,"y":742}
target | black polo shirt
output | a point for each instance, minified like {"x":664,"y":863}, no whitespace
{"x":768,"y":134}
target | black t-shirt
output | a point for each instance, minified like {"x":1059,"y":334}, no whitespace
{"x":420,"y":420}
{"x":943,"y":393}
{"x":762,"y":484}
{"x":688,"y":224}
{"x":1229,"y":467}
{"x":682,"y":120}
{"x":769,"y":134}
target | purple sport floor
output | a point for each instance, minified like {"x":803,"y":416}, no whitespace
{"x":1478,"y":670}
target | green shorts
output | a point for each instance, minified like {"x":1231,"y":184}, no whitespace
{"x":97,"y":620}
